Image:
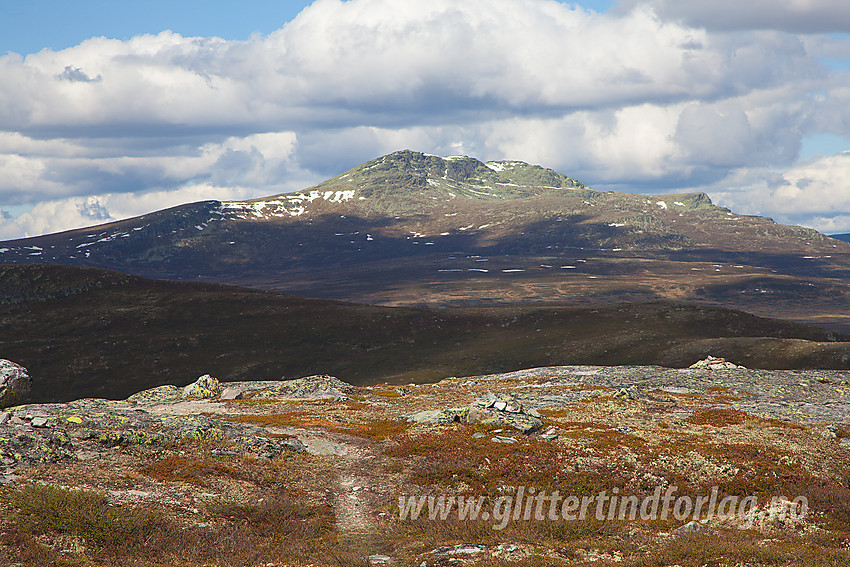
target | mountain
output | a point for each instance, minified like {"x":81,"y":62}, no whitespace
{"x":85,"y":332}
{"x":842,"y":237}
{"x":420,"y":230}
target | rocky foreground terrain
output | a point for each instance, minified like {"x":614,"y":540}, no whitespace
{"x":311,"y":471}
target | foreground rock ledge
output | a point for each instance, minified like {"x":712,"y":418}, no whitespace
{"x":42,"y":433}
{"x":208,"y":450}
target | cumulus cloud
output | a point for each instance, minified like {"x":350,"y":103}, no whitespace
{"x":78,"y":212}
{"x":815,"y":193}
{"x":802,"y":16}
{"x":647,"y":97}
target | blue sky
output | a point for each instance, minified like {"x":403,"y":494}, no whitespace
{"x":110,"y":109}
{"x":28,"y":26}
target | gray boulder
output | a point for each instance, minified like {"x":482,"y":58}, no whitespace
{"x":498,"y":410}
{"x":716,"y":363}
{"x":15,"y":383}
{"x":504,"y":410}
{"x":206,"y":387}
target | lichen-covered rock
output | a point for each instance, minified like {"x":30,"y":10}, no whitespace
{"x":122,"y":438}
{"x":206,"y":387}
{"x":19,"y":445}
{"x":309,"y":387}
{"x":521,"y":422}
{"x":158,"y":395}
{"x":15,"y":383}
{"x":43,"y":433}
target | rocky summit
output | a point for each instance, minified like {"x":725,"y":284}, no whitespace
{"x":315,"y":471}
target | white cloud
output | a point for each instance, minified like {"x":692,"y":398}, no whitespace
{"x":641,"y":97}
{"x":804,"y":16}
{"x":815,"y":193}
{"x":376,"y":60}
{"x":78,"y":212}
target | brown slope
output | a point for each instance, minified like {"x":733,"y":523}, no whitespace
{"x":88,"y":332}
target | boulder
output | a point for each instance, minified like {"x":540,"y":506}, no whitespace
{"x":15,"y":383}
{"x":204,"y":388}
{"x":309,"y":387}
{"x":716,"y":363}
{"x":505,"y":410}
{"x":502,"y":410}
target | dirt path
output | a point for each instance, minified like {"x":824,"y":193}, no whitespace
{"x":354,"y":498}
{"x":357,"y":479}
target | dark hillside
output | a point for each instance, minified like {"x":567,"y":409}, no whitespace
{"x":84,"y":332}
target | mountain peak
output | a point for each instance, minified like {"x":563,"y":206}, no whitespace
{"x":459,"y":175}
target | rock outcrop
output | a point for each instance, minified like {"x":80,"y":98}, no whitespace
{"x":208,"y":388}
{"x":497,"y":410}
{"x":716,"y":363}
{"x":15,"y":383}
{"x":205,"y":387}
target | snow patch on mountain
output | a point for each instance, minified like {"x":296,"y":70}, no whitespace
{"x":291,"y":205}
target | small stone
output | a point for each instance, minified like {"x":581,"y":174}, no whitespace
{"x":225,"y":453}
{"x":231,"y":393}
{"x":500,"y":406}
{"x":831,"y":432}
{"x":624,"y":394}
{"x":500,"y":439}
{"x":4,"y":417}
{"x":693,"y":527}
{"x":380,"y":560}
{"x":550,"y":434}
{"x":463,"y":549}
{"x":39,"y":422}
{"x":478,"y":435}
{"x":75,"y":419}
{"x":294,"y":444}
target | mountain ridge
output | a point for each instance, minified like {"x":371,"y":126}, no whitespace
{"x":414,"y":229}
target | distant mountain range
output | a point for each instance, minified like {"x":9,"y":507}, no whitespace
{"x":418,"y":230}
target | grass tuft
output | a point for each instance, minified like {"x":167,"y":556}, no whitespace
{"x":89,"y":515}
